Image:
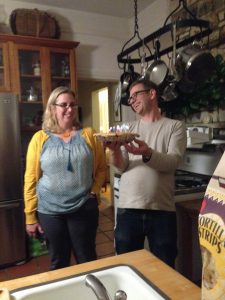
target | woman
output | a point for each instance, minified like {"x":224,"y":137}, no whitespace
{"x":65,"y":170}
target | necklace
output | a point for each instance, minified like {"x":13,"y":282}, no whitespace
{"x":67,"y":133}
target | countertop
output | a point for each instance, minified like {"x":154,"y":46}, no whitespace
{"x":168,"y":280}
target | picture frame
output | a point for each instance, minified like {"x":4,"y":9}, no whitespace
{"x":117,"y":114}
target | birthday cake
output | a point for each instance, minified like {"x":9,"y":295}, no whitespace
{"x":117,"y":134}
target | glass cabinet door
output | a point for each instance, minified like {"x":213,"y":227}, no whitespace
{"x":60,"y":69}
{"x":4,"y":68}
{"x":40,"y":70}
{"x":30,"y":89}
{"x":30,"y":76}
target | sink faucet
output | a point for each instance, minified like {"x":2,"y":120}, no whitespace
{"x":97,"y":287}
{"x":100,"y":291}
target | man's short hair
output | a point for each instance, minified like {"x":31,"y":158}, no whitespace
{"x":146,"y":83}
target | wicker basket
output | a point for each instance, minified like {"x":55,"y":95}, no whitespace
{"x":34,"y":22}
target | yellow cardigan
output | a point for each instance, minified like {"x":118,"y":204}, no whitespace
{"x":33,"y":170}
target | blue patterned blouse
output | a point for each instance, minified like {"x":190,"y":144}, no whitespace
{"x":67,"y":175}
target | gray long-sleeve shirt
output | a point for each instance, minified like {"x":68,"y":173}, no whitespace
{"x":151,"y":185}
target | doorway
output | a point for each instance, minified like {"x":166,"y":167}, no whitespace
{"x":100,"y":110}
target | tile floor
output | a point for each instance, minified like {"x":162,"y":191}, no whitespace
{"x":104,"y":244}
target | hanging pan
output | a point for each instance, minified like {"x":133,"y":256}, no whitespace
{"x":158,"y":70}
{"x":194,"y":63}
{"x":127,"y":78}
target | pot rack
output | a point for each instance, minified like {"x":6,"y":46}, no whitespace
{"x":205,"y":30}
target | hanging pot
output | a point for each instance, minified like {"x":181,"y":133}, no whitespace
{"x":124,"y":98}
{"x":186,"y":86}
{"x":194,"y":64}
{"x":169,"y":90}
{"x":158,"y":70}
{"x":125,"y":81}
{"x":128,"y":77}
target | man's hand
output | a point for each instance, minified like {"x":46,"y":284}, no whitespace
{"x":113,"y":146}
{"x":139,"y":148}
{"x":116,"y":157}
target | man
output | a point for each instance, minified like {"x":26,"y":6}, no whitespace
{"x":146,"y":206}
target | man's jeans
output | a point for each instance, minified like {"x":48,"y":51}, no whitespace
{"x":133,"y":225}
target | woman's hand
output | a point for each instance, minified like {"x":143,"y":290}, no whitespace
{"x":33,"y":229}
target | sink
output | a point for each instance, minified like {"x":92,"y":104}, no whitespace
{"x":118,"y":277}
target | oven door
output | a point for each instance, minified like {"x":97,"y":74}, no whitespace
{"x":189,"y":196}
{"x":190,"y":186}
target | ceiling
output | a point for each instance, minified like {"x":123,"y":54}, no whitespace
{"x":116,"y":8}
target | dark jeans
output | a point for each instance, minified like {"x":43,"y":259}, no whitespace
{"x":73,"y":231}
{"x":133,"y":225}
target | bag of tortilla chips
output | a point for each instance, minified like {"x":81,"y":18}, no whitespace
{"x":211,"y":227}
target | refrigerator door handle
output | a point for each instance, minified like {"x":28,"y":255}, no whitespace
{"x":9,"y":205}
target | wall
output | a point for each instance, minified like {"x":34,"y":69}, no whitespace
{"x":101,"y":37}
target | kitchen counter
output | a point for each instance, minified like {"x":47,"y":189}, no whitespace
{"x":168,"y":280}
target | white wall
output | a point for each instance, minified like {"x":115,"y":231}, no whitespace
{"x":153,"y":17}
{"x":101,"y":37}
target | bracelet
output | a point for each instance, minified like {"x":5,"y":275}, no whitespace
{"x":146,"y":158}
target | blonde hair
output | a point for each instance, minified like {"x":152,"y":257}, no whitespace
{"x":50,"y":122}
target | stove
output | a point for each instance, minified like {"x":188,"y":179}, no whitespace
{"x":189,"y":186}
{"x":195,"y":171}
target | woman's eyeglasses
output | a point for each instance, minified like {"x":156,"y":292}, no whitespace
{"x":134,"y":96}
{"x":66,"y":105}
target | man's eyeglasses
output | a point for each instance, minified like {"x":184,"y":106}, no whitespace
{"x":66,"y":105}
{"x":134,"y":96}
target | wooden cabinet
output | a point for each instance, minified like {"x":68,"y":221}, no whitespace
{"x":189,"y":262}
{"x":31,"y":68}
{"x":4,"y":68}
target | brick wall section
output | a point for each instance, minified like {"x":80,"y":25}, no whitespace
{"x":212,"y":11}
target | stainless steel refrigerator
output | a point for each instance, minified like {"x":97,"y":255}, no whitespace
{"x":12,"y":228}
